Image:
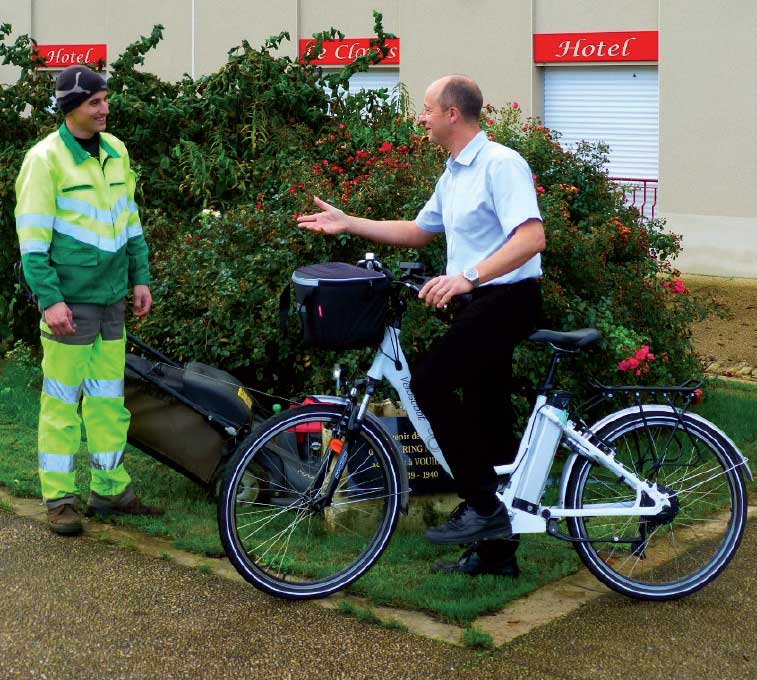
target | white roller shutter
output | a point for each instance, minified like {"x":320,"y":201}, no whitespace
{"x":618,"y":105}
{"x":375,"y":80}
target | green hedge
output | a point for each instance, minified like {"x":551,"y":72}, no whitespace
{"x":228,"y":160}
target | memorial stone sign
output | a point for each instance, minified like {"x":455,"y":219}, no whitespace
{"x":424,"y":473}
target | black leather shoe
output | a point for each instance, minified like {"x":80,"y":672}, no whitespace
{"x":465,"y":525}
{"x":471,"y":564}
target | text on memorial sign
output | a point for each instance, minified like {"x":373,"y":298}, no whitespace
{"x":424,"y":472}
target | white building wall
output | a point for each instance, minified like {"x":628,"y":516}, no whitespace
{"x":707,"y":56}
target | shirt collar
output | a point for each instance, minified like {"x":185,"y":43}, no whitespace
{"x":79,"y":154}
{"x":470,"y":150}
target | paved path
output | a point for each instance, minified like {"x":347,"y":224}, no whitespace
{"x":81,"y":608}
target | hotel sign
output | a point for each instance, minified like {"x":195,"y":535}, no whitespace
{"x":60,"y":56}
{"x":342,"y":52}
{"x":607,"y":46}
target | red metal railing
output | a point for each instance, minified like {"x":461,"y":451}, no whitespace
{"x":639,"y":193}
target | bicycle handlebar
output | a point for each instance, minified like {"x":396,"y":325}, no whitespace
{"x":412,"y":274}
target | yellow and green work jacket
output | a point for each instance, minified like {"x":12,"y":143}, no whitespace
{"x":77,"y":223}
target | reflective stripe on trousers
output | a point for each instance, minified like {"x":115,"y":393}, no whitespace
{"x":94,"y":371}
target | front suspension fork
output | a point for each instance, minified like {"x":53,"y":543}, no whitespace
{"x":328,"y":476}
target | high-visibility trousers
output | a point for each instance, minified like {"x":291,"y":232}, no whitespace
{"x":87,"y":367}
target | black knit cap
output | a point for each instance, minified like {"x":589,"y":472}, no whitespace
{"x":76,"y":84}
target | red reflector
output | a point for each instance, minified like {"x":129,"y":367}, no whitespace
{"x":697,"y":395}
{"x":320,"y":311}
{"x":306,"y":427}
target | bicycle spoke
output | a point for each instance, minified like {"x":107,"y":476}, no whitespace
{"x":273,"y":541}
{"x":288,"y":537}
{"x":683,"y":547}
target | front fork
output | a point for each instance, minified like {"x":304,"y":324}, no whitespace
{"x":343,"y":437}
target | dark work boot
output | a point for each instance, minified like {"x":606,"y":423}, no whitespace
{"x":127,"y":503}
{"x":64,"y":519}
{"x":465,"y":525}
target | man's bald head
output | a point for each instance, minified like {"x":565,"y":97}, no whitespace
{"x":463,"y":93}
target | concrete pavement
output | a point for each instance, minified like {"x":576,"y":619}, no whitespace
{"x":82,"y":608}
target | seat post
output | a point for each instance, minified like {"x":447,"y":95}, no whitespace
{"x":547,"y":384}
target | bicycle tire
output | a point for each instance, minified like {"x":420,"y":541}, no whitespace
{"x":676,"y":555}
{"x":281,"y":544}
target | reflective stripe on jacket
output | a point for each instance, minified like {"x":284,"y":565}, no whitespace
{"x":78,"y":226}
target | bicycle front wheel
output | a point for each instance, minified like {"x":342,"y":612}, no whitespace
{"x":286,"y":540}
{"x":680,"y":551}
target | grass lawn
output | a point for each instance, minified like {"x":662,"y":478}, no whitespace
{"x":732,"y":406}
{"x":402,"y":577}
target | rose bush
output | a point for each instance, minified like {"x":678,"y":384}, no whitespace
{"x":227,"y":161}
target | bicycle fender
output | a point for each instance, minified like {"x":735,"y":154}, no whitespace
{"x":738,"y":461}
{"x":389,"y":442}
{"x":564,"y":477}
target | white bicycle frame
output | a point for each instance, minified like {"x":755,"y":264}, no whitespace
{"x":530,"y":469}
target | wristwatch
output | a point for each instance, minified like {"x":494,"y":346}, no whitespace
{"x":471,"y":275}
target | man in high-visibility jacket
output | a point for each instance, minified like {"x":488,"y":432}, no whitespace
{"x":81,"y":248}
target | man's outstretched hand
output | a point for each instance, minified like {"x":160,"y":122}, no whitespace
{"x":330,"y":221}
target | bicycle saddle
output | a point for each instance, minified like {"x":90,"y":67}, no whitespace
{"x":570,"y":340}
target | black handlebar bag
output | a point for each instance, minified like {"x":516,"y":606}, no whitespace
{"x":341,"y":306}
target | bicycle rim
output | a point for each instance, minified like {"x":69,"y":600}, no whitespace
{"x":680,"y":552}
{"x":279,"y":541}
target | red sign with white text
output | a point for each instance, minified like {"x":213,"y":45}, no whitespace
{"x":612,"y":46}
{"x":342,"y":52}
{"x":60,"y":56}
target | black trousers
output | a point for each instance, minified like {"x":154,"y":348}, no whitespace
{"x":464,"y":383}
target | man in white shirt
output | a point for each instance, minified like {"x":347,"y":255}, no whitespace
{"x":486,"y":205}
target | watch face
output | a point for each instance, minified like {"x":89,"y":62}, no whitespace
{"x":471,"y":275}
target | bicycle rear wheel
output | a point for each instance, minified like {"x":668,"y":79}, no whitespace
{"x":284,"y":541}
{"x":683,"y":549}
